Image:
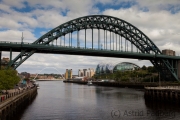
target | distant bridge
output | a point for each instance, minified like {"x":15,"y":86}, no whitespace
{"x":97,"y":35}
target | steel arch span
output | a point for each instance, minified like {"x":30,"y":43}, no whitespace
{"x":107,"y":23}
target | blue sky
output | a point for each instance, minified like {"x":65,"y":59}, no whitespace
{"x":159,"y":20}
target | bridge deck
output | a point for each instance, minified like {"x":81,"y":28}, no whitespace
{"x":56,"y":49}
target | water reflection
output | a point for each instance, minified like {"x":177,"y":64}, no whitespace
{"x":67,"y":101}
{"x":154,"y":105}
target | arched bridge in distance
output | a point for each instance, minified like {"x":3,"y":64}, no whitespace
{"x":96,"y":35}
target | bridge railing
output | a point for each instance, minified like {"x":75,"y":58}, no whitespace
{"x":62,"y":46}
{"x":15,"y":42}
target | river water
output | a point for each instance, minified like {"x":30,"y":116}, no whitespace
{"x":68,"y":101}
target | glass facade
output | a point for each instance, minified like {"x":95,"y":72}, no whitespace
{"x":125,"y":66}
{"x":104,"y":68}
{"x":110,"y":68}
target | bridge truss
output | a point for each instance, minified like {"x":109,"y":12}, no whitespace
{"x":113,"y":34}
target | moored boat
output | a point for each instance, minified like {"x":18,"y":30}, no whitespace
{"x":89,"y":83}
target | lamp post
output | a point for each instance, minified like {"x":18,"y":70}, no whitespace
{"x":22,"y":38}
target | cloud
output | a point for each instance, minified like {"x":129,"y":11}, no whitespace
{"x":14,"y":3}
{"x":159,"y":20}
{"x":158,"y":26}
{"x":159,"y":5}
{"x":15,"y":36}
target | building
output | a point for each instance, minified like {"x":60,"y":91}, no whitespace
{"x":110,"y":68}
{"x":90,"y":72}
{"x":26,"y":75}
{"x":4,"y":61}
{"x":68,"y":74}
{"x":168,"y":52}
{"x":80,"y":73}
{"x":86,"y":72}
{"x":125,"y":66}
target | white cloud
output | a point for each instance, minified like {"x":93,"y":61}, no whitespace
{"x":158,"y":5}
{"x":15,"y":36}
{"x":160,"y":25}
{"x":14,"y":3}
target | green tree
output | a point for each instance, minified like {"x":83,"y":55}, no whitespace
{"x":8,"y":78}
{"x":143,"y":67}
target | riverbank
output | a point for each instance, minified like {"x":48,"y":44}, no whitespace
{"x":14,"y":103}
{"x":78,"y":82}
{"x":124,"y":84}
{"x":163,"y":93}
{"x":49,"y":79}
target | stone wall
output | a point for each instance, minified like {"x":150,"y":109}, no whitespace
{"x":14,"y":103}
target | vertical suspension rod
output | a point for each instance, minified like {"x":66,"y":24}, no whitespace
{"x":110,"y":40}
{"x":92,"y":38}
{"x":116,"y":42}
{"x":136,"y":47}
{"x":71,"y":39}
{"x":121,"y":43}
{"x":85,"y":38}
{"x":131,"y":47}
{"x":60,"y":40}
{"x":98,"y":40}
{"x":104,"y":39}
{"x":125,"y":44}
{"x":64,"y":40}
{"x":78,"y":45}
{"x":113,"y":40}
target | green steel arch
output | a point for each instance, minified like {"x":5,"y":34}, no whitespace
{"x":108,"y":23}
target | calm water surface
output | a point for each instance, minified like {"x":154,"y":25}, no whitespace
{"x":67,"y":101}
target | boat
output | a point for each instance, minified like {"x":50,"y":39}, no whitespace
{"x":89,"y":83}
{"x":37,"y":85}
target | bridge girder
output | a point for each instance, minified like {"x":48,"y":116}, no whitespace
{"x":108,"y":23}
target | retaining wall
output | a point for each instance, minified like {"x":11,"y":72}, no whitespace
{"x":14,"y":103}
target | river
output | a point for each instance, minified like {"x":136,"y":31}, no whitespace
{"x":68,"y":101}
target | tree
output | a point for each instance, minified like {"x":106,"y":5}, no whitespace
{"x":8,"y":78}
{"x":144,"y":67}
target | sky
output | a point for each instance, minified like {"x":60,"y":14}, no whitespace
{"x":159,"y":20}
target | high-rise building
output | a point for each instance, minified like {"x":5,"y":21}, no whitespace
{"x":68,"y":74}
{"x":92,"y":72}
{"x":85,"y":72}
{"x":80,"y":73}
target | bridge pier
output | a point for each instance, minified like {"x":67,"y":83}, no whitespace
{"x":178,"y":69}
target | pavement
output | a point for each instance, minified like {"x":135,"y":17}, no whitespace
{"x":17,"y":88}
